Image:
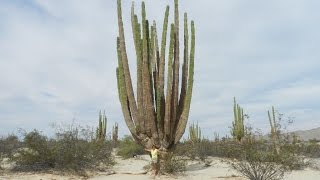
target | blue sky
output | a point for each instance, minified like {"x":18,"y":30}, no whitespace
{"x":58,"y":60}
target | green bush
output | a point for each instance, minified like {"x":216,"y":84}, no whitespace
{"x":8,"y":145}
{"x":257,"y":164}
{"x":36,"y":153}
{"x":75,"y":151}
{"x":257,"y":160}
{"x":205,"y":148}
{"x":173,"y":165}
{"x":128,"y":147}
{"x":71,"y":150}
{"x":309,"y":149}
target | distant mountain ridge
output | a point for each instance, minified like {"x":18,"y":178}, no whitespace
{"x":306,"y":135}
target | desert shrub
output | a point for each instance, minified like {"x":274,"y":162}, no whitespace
{"x":182,"y":149}
{"x":75,"y":151}
{"x":309,"y":149}
{"x":128,"y":148}
{"x":173,"y":165}
{"x":201,"y":149}
{"x":194,"y":150}
{"x":224,"y":149}
{"x":170,"y":164}
{"x":207,"y":148}
{"x":36,"y":152}
{"x":259,"y":161}
{"x":71,"y":151}
{"x":257,"y":164}
{"x":291,"y":157}
{"x":9,"y":144}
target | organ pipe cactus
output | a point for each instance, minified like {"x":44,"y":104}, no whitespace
{"x":195,"y":133}
{"x":238,"y":129}
{"x":115,"y":133}
{"x":156,"y":116}
{"x":102,"y":128}
{"x":275,"y":132}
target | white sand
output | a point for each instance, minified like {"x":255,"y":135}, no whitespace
{"x":132,"y":169}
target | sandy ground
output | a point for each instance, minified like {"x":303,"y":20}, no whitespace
{"x":133,"y":169}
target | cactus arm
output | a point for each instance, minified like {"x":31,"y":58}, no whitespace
{"x":185,"y":113}
{"x":163,"y":52}
{"x":184,"y":66}
{"x":136,"y":31}
{"x":271,"y":125}
{"x":274,"y":120}
{"x":158,"y":90}
{"x":167,"y":125}
{"x":122,"y":94}
{"x":160,"y":106}
{"x":126,"y":71}
{"x":175,"y":88}
{"x":274,"y":130}
{"x":152,"y":64}
{"x":150,"y":124}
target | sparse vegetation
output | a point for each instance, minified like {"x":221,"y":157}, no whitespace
{"x":227,"y":149}
{"x":309,"y":149}
{"x":128,"y":148}
{"x":8,"y":145}
{"x":268,"y":160}
{"x":71,"y":150}
{"x":258,"y":164}
{"x":173,"y":165}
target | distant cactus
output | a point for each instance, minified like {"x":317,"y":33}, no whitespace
{"x":238,"y":129}
{"x":101,"y":131}
{"x":216,"y":136}
{"x":275,"y":131}
{"x":195,"y":133}
{"x":115,"y":133}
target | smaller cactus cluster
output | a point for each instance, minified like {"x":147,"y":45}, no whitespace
{"x":195,"y":133}
{"x":101,"y":131}
{"x":238,"y":129}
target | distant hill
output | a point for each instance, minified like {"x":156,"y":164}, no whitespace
{"x":308,"y":134}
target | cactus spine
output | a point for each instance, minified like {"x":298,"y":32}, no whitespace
{"x":115,"y":133}
{"x":101,"y":131}
{"x":238,"y":129}
{"x":195,"y":133}
{"x":275,"y":136}
{"x":156,"y":117}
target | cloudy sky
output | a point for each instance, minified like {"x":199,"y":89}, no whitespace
{"x":58,"y":60}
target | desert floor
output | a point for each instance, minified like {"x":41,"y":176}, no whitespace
{"x":133,"y":169}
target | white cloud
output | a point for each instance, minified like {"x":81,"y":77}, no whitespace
{"x":58,"y":60}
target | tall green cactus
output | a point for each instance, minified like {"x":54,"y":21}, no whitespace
{"x":101,"y":131}
{"x":115,"y":133}
{"x":195,"y":133}
{"x":238,"y":129}
{"x":155,"y":117}
{"x":275,"y":136}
